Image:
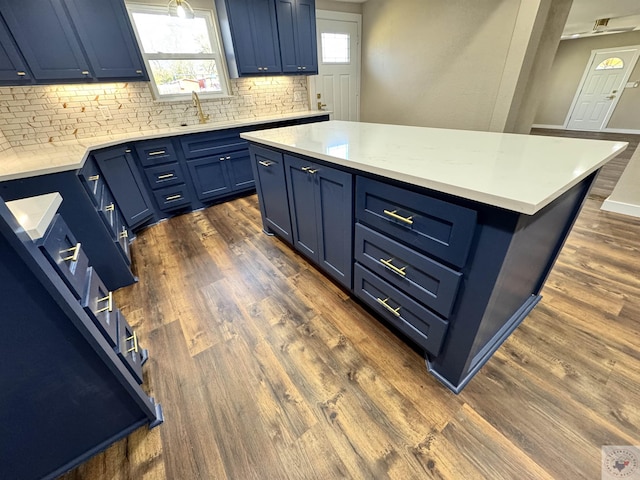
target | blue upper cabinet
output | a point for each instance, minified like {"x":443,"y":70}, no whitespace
{"x":267,"y":37}
{"x":73,"y":40}
{"x":12,"y":67}
{"x":108,"y":39}
{"x":297,"y":33}
{"x":250,"y":36}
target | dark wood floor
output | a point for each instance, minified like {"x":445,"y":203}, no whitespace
{"x":267,"y":370}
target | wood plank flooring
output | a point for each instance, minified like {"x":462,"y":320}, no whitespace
{"x":267,"y":370}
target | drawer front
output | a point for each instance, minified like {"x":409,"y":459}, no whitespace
{"x":66,"y":255}
{"x":411,"y":318}
{"x":434,"y":226}
{"x":123,"y":238}
{"x":212,"y":143}
{"x":156,"y":152}
{"x":171,"y":198}
{"x":108,"y":211}
{"x":98,"y":303}
{"x":424,"y":279}
{"x":128,"y":348}
{"x":164,"y":175}
{"x":92,"y":180}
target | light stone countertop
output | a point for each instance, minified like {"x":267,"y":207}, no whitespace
{"x":23,"y":162}
{"x":35,"y":214}
{"x":522,"y":173}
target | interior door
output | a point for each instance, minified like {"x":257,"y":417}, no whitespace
{"x":337,"y":85}
{"x":600,"y":89}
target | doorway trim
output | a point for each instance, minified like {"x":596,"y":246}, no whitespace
{"x":585,"y":74}
{"x":311,"y":80}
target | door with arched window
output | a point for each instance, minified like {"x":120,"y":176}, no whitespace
{"x":601,"y":86}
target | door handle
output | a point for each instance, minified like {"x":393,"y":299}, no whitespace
{"x":321,"y":105}
{"x":610,"y":97}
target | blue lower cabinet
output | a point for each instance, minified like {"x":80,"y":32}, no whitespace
{"x":173,"y":198}
{"x":320,"y":199}
{"x":129,"y":349}
{"x":209,"y":178}
{"x":98,"y":303}
{"x":238,"y":165}
{"x":123,"y":238}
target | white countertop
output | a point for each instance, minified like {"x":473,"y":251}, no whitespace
{"x":56,"y":157}
{"x":522,"y":173}
{"x":35,"y":214}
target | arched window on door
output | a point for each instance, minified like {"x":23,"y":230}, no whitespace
{"x":610,"y":63}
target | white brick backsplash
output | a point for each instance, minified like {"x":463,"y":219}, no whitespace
{"x":40,"y":114}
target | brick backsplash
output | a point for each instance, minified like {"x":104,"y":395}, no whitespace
{"x":52,"y":113}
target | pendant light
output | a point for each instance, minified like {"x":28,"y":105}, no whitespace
{"x":180,"y":8}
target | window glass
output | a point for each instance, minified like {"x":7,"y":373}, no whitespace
{"x":610,"y":63}
{"x":335,"y":48}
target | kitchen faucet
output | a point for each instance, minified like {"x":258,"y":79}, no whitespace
{"x":196,"y":103}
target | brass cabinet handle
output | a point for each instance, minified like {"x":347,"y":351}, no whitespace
{"x":260,"y":69}
{"x":228,"y":158}
{"x":395,"y":311}
{"x":265,"y":68}
{"x":94,"y":178}
{"x":394,"y":214}
{"x":21,"y":74}
{"x":109,"y":208}
{"x":173,"y":197}
{"x":305,"y":169}
{"x":109,"y":300}
{"x":124,"y":234}
{"x":85,"y":72}
{"x":166,"y":175}
{"x":133,"y":337}
{"x":139,"y":72}
{"x":157,"y":152}
{"x":393,"y":268}
{"x":265,"y":164}
{"x":74,"y":251}
{"x":299,"y":68}
{"x":304,"y":68}
{"x":312,"y":171}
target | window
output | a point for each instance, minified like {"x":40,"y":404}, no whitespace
{"x":182,"y":55}
{"x":335,"y":47}
{"x":610,"y":63}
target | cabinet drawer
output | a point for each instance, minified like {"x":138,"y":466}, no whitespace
{"x":108,"y":211}
{"x":164,"y":175}
{"x":66,"y":255}
{"x":98,"y":303}
{"x":439,"y":228}
{"x":424,"y":279}
{"x":91,"y":178}
{"x":156,"y":152}
{"x":123,"y":238}
{"x":411,"y":318}
{"x":128,"y":348}
{"x":171,"y":198}
{"x":213,"y":143}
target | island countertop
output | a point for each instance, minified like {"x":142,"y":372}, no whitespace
{"x":522,"y":173}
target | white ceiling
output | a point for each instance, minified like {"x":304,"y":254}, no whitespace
{"x":584,"y":14}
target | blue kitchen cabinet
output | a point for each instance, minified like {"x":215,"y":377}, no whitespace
{"x":320,"y":200}
{"x":238,"y":165}
{"x":297,"y":34}
{"x":72,"y":40}
{"x":209,"y":179}
{"x":13,"y":69}
{"x":121,"y":174}
{"x":250,"y":37}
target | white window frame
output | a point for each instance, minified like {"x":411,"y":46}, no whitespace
{"x":216,"y":54}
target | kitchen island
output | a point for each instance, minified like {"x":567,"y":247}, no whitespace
{"x":448,"y":236}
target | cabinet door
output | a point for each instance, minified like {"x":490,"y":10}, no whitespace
{"x":286,"y":10}
{"x":297,"y":33}
{"x":44,"y":34}
{"x":12,"y":68}
{"x":107,"y":37}
{"x":334,"y":214}
{"x":254,"y":36}
{"x":302,"y":198}
{"x":209,"y":178}
{"x":272,"y":191}
{"x":120,"y":173}
{"x":239,"y":169}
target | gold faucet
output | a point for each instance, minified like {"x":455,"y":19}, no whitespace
{"x":196,"y":103}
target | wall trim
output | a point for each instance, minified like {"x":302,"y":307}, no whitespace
{"x":628,"y":131}
{"x":621,"y":130}
{"x":621,"y":207}
{"x":550,"y":127}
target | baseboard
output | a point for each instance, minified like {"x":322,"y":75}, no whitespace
{"x":548,"y":127}
{"x":622,"y":130}
{"x":621,"y":207}
{"x":628,"y":131}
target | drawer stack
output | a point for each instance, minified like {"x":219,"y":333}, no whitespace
{"x":67,"y":256}
{"x":410,"y":249}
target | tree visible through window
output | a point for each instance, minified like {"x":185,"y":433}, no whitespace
{"x":610,"y":63}
{"x":182,"y":55}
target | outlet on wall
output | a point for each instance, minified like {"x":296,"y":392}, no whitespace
{"x":106,"y":113}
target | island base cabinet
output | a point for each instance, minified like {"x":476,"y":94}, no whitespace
{"x":320,"y":202}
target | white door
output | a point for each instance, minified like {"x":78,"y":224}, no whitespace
{"x":337,"y":85}
{"x":601,"y":86}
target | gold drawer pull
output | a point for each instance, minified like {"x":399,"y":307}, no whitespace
{"x":265,"y":164}
{"x":21,"y":74}
{"x":395,"y":311}
{"x":157,"y":152}
{"x":109,"y":300}
{"x":312,"y":171}
{"x":393,"y":268}
{"x":394,"y":214}
{"x":133,"y":337}
{"x":109,"y":208}
{"x":94,"y":178}
{"x":305,"y":169}
{"x":85,"y":72}
{"x":173,"y":197}
{"x":128,"y":150}
{"x":124,"y":234}
{"x":74,"y":256}
{"x":166,"y":175}
{"x":139,"y":72}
